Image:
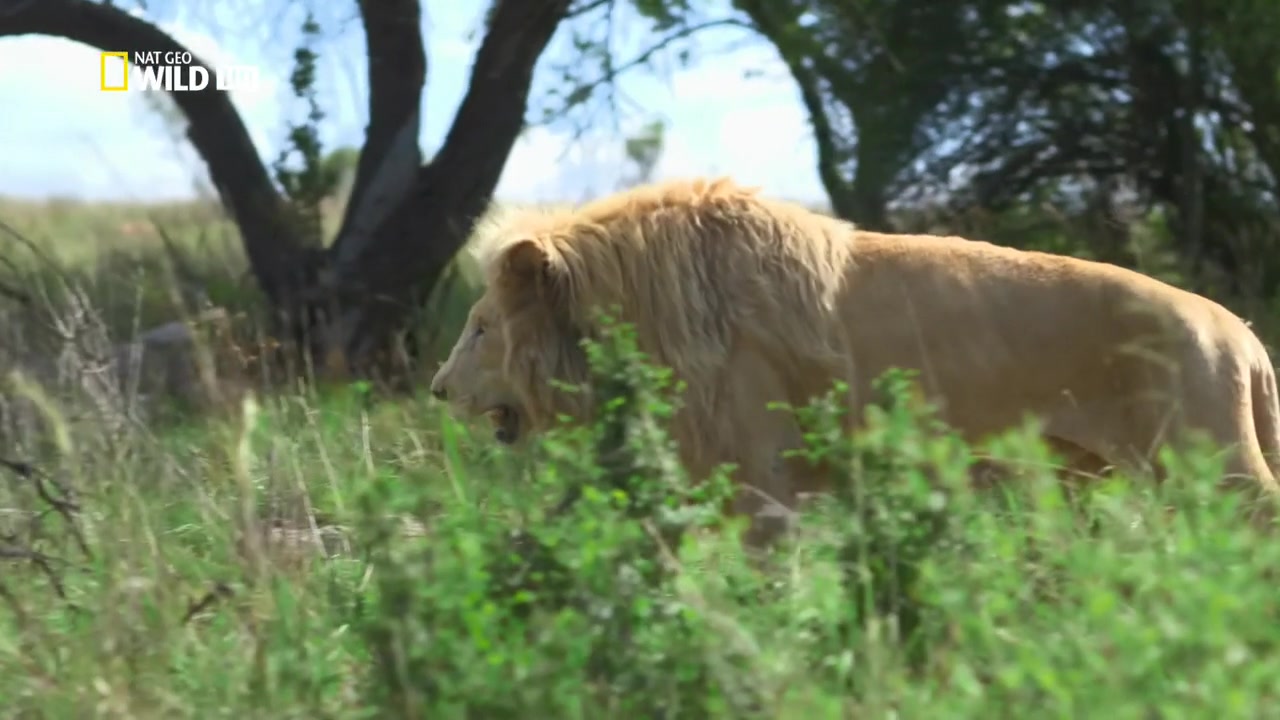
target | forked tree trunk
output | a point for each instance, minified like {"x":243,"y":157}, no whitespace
{"x":405,"y":221}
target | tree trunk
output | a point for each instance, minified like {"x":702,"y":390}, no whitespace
{"x":404,"y":221}
{"x":381,"y":276}
{"x":861,"y":198}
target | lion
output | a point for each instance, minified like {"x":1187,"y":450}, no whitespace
{"x":752,"y":301}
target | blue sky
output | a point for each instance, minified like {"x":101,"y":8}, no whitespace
{"x":61,"y":136}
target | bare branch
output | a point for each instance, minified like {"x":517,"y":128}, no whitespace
{"x":455,"y":187}
{"x":12,"y":551}
{"x":220,"y":591}
{"x":587,"y":8}
{"x":416,"y":243}
{"x":614,"y":71}
{"x":66,"y":506}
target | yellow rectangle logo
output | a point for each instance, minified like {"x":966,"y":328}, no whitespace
{"x":124,"y":83}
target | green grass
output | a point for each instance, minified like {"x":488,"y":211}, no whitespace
{"x":329,"y":555}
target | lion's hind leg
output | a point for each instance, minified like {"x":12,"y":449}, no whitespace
{"x":1130,"y":428}
{"x":1208,"y":393}
{"x":1227,"y":413}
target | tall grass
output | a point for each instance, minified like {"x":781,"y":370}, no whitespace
{"x":335,"y":555}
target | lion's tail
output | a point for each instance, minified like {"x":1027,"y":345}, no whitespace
{"x":1266,"y":412}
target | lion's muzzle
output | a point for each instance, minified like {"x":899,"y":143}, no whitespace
{"x":438,"y":388}
{"x":506,"y":424}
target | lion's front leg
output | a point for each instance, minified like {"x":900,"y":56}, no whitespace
{"x":756,"y":440}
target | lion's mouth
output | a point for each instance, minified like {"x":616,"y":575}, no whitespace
{"x":506,"y":423}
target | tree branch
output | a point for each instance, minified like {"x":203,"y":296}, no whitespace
{"x":613,"y":72}
{"x":454,"y":189}
{"x":587,"y":7}
{"x":462,"y":176}
{"x":405,"y":222}
{"x":215,"y":127}
{"x":839,"y":191}
{"x":390,"y":158}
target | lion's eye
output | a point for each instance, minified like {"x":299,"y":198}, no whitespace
{"x":479,"y":330}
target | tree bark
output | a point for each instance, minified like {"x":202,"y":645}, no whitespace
{"x":397,"y":73}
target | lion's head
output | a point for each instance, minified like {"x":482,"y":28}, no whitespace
{"x":518,"y":340}
{"x":472,"y":379}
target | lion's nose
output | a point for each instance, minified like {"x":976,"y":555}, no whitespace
{"x":438,"y":384}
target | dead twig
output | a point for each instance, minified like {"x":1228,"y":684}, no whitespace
{"x":12,"y":601}
{"x":220,"y":591}
{"x":66,"y":506}
{"x":10,"y":550}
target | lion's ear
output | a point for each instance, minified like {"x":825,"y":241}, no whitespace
{"x":528,"y":267}
{"x":524,"y":260}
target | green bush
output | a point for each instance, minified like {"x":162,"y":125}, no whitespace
{"x":588,"y":578}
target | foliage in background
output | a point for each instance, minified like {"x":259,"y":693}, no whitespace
{"x":1160,"y":114}
{"x":315,"y":176}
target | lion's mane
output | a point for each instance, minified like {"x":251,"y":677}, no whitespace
{"x":693,"y":265}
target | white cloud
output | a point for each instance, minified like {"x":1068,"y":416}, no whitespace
{"x":752,"y":72}
{"x":59,"y":116}
{"x":271,"y":80}
{"x":546,"y":166}
{"x":770,"y":145}
{"x":68,"y":137}
{"x":767,"y":147}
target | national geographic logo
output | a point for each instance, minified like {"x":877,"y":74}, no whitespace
{"x":171,"y":71}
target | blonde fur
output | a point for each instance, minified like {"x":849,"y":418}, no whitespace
{"x":751,"y":300}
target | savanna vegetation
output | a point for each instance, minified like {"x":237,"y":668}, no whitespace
{"x":330,"y":545}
